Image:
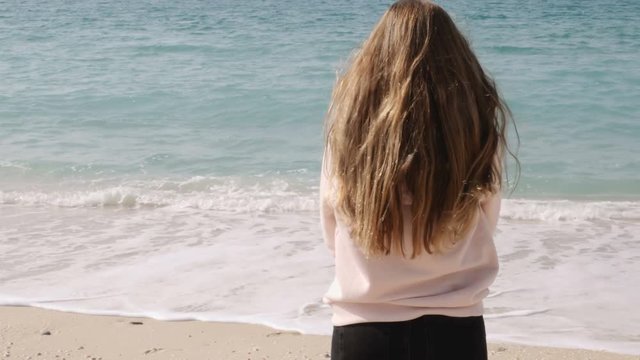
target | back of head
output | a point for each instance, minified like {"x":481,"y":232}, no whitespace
{"x":414,"y":114}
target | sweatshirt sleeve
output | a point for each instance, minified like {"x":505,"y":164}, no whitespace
{"x":492,"y":204}
{"x":327,"y":215}
{"x":491,"y":208}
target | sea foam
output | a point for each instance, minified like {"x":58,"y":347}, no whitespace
{"x":278,"y":196}
{"x":240,"y":263}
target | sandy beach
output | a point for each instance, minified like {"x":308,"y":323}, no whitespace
{"x":33,"y":333}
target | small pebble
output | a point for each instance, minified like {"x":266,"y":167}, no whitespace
{"x":135,"y":322}
{"x":46,"y":332}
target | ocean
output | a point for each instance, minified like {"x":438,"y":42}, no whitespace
{"x":161,"y":159}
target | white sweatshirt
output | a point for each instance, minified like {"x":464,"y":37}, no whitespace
{"x":393,"y":288}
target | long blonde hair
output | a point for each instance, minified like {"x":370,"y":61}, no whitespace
{"x":414,"y":114}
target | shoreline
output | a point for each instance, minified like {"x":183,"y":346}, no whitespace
{"x":35,"y":333}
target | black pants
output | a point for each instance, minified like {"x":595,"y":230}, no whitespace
{"x":430,"y":337}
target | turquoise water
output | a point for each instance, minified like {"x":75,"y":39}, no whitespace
{"x":147,"y":90}
{"x":161,"y":159}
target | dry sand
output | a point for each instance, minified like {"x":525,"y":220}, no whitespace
{"x":32,"y":333}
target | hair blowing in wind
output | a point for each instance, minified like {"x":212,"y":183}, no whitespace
{"x":414,"y":114}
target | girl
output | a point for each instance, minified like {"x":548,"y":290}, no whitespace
{"x":410,"y":192}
